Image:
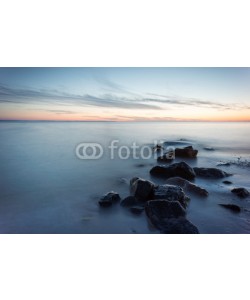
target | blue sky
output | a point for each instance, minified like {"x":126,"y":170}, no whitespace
{"x":125,"y":94}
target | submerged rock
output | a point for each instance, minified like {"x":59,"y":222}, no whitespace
{"x":180,"y":169}
{"x":186,"y":152}
{"x":169,"y":217}
{"x":166,"y":157}
{"x":223,"y":164}
{"x":232,"y":207}
{"x":210,"y":173}
{"x":129,"y":201}
{"x":188,"y":186}
{"x":171,"y":193}
{"x":108,"y":199}
{"x":141,"y":189}
{"x":209,"y":148}
{"x":227,"y":182}
{"x":240,"y":192}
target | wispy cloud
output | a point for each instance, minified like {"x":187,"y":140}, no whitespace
{"x":28,"y":96}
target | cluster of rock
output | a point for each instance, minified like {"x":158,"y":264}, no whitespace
{"x":165,"y":205}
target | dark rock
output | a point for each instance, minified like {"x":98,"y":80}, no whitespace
{"x":210,"y":173}
{"x":233,"y":207}
{"x":141,"y":189}
{"x":108,"y":199}
{"x":159,"y":210}
{"x":137,"y":210}
{"x":227,"y":182}
{"x":129,"y":201}
{"x":180,"y":169}
{"x":186,"y":152}
{"x":209,"y":148}
{"x":179,"y":226}
{"x":171,"y":193}
{"x":188,"y":186}
{"x":166,"y":157}
{"x":240,"y":192}
{"x":169,"y":217}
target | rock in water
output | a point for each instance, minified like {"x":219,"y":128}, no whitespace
{"x":210,"y":173}
{"x":233,"y":207}
{"x":227,"y":182}
{"x":169,"y":217}
{"x":186,"y":152}
{"x":166,"y":157}
{"x":129,"y":201}
{"x":180,"y":169}
{"x":240,"y":192}
{"x":141,"y":189}
{"x":188,"y":186}
{"x":171,"y":193}
{"x":179,"y":226}
{"x":159,"y":210}
{"x":108,"y":199}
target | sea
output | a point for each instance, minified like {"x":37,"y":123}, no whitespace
{"x":52,"y":174}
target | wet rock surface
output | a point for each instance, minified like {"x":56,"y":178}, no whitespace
{"x":129,"y":201}
{"x":188,"y":152}
{"x":108,"y":199}
{"x":232,"y":207}
{"x":169,"y":217}
{"x":240,"y":192}
{"x":187,"y":186}
{"x":180,"y":169}
{"x":170,"y":193}
{"x":210,"y":173}
{"x":141,"y":189}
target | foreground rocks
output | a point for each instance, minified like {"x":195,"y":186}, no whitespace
{"x":188,"y":186}
{"x":171,"y":193}
{"x":186,"y":152}
{"x":232,"y":207}
{"x":129,"y":201}
{"x":210,"y":173}
{"x":169,"y":217}
{"x":180,"y":169}
{"x":141,"y":189}
{"x":108,"y":199}
{"x":240,"y":192}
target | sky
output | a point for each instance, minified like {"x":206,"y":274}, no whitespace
{"x":125,"y":94}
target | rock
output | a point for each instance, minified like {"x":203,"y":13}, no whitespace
{"x":166,"y":157}
{"x":179,"y":226}
{"x":240,"y":192}
{"x":180,"y":169}
{"x":188,"y":186}
{"x":210,"y":173}
{"x":129,"y":201}
{"x":171,"y":193}
{"x":159,"y":210}
{"x":209,"y":148}
{"x":169,"y":217}
{"x":233,"y":207}
{"x":186,"y":152}
{"x":141,"y":189}
{"x":108,"y":199}
{"x":227,"y":182}
{"x":137,"y":210}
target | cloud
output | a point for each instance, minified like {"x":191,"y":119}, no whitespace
{"x":28,"y":96}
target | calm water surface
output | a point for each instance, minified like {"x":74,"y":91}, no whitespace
{"x":45,"y":188}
